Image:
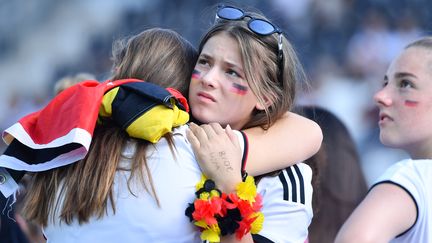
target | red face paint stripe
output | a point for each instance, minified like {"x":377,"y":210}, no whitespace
{"x":196,"y":74}
{"x":239,"y":89}
{"x":411,"y":103}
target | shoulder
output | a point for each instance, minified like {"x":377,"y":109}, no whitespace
{"x":412,"y":177}
{"x":287,"y":198}
{"x":293,"y":182}
{"x":180,"y":130}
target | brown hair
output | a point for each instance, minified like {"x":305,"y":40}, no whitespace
{"x":141,"y":57}
{"x":156,"y":55}
{"x":338,"y":181}
{"x":260,"y":59}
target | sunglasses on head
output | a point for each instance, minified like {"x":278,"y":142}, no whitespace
{"x":259,"y":26}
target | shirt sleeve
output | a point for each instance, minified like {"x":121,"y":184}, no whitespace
{"x":287,"y":205}
{"x":405,"y":175}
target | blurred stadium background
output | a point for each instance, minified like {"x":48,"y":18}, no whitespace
{"x":345,"y":46}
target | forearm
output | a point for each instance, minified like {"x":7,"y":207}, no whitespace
{"x":292,"y":139}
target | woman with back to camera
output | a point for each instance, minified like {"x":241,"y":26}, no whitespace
{"x":398,"y":206}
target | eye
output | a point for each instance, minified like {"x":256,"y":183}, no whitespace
{"x":384,"y":83}
{"x":405,"y":84}
{"x":233,"y":73}
{"x":202,"y":61}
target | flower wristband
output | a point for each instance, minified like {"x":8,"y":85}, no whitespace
{"x":218,"y":214}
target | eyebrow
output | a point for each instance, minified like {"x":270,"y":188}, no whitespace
{"x":232,"y":65}
{"x":205,"y":55}
{"x":404,"y":74}
{"x":227,"y":63}
{"x":400,"y":75}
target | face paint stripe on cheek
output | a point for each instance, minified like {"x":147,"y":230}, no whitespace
{"x":196,"y":74}
{"x":239,"y":89}
{"x":411,"y":103}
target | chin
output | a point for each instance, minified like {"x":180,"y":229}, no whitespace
{"x":201,"y":116}
{"x":391,"y":142}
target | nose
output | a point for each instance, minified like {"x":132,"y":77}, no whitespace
{"x":382,"y":97}
{"x":210,"y":77}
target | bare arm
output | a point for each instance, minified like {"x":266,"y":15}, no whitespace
{"x":386,"y":212}
{"x":292,"y":139}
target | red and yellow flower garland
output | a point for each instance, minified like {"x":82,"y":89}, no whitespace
{"x":218,"y":214}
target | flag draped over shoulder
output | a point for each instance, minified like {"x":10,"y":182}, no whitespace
{"x":61,"y":133}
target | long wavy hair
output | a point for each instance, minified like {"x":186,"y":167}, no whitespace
{"x":84,"y":189}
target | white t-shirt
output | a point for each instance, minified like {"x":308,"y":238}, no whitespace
{"x":415,"y":177}
{"x":138,"y":218}
{"x":287,"y":205}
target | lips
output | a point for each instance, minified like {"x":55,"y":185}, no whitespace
{"x":206,"y":96}
{"x":384,"y":117}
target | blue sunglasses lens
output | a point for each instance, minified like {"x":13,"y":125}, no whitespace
{"x":261,"y":27}
{"x":230,"y":13}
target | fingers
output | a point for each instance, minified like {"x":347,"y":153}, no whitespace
{"x":217,"y":128}
{"x":207,"y":131}
{"x":198,"y":131}
{"x":213,"y":133}
{"x":193,"y":140}
{"x":210,"y":132}
{"x":232,"y":136}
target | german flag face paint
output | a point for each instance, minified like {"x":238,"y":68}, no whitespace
{"x":196,"y":74}
{"x":411,"y":103}
{"x":239,"y":89}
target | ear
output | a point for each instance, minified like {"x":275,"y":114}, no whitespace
{"x":260,"y":106}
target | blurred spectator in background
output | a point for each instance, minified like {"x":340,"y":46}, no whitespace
{"x":33,"y":232}
{"x":338,"y":180}
{"x":68,"y":81}
{"x":10,"y":231}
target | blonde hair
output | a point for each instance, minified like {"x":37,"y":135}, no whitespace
{"x":159,"y":56}
{"x":274,"y":90}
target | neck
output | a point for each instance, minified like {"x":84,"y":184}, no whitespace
{"x":420,"y":152}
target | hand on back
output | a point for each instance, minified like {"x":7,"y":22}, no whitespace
{"x":218,"y":153}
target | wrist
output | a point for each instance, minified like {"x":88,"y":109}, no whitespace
{"x":218,"y":214}
{"x":229,"y":185}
